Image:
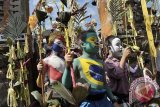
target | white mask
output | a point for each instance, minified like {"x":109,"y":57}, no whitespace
{"x":116,"y":47}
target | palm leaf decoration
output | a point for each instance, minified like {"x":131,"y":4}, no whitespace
{"x":37,"y":96}
{"x":116,"y":8}
{"x":80,"y":92}
{"x":14,"y":27}
{"x":63,"y":92}
{"x":80,"y":13}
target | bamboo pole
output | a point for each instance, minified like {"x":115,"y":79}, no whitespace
{"x":153,"y":51}
{"x":148,"y":29}
{"x":40,"y":57}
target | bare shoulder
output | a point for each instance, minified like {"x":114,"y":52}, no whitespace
{"x":76,"y":62}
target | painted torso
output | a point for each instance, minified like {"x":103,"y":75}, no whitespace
{"x":91,"y":70}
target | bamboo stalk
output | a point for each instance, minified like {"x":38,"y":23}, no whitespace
{"x":153,"y":51}
{"x":69,"y":50}
{"x":40,"y":55}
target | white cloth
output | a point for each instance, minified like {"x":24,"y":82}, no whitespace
{"x":56,"y":62}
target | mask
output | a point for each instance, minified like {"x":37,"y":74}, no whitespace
{"x":91,"y":46}
{"x":116,"y":47}
{"x":57,"y":46}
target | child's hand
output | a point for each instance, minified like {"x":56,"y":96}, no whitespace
{"x":126,"y":52}
{"x":69,"y":58}
{"x":40,"y":66}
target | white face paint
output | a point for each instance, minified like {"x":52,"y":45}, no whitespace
{"x":116,"y":47}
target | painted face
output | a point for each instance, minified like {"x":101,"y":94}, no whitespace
{"x":58,"y":45}
{"x":90,"y":44}
{"x":116,"y":47}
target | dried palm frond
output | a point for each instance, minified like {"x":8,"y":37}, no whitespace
{"x":80,"y":92}
{"x":116,"y":8}
{"x":71,"y":32}
{"x":37,"y":96}
{"x":63,"y":92}
{"x":105,"y":18}
{"x":80,"y":13}
{"x":14,"y":27}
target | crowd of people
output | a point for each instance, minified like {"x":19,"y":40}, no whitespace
{"x":108,"y":79}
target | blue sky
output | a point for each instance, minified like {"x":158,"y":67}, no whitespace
{"x":90,"y":10}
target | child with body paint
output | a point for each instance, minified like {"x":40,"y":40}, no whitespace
{"x":88,"y":69}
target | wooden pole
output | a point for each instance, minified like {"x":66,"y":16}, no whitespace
{"x":40,"y":57}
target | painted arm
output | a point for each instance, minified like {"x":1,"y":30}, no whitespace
{"x":66,"y":78}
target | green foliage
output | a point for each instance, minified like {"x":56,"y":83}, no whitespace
{"x":67,"y":95}
{"x":37,"y":96}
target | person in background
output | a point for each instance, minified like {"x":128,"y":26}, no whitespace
{"x":117,"y":69}
{"x":53,"y":65}
{"x":147,"y":71}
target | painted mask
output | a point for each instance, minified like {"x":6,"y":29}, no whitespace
{"x":58,"y":45}
{"x":91,"y":43}
{"x":116,"y":47}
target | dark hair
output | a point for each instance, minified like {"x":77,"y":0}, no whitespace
{"x":156,"y":44}
{"x":146,"y":61}
{"x":109,"y":39}
{"x":82,"y":35}
{"x":55,"y":35}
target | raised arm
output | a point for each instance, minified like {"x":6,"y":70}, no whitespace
{"x":66,"y":78}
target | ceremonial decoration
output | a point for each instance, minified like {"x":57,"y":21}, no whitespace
{"x":143,"y":90}
{"x":81,"y":39}
{"x":16,"y":53}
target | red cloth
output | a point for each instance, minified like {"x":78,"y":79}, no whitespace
{"x":52,"y":72}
